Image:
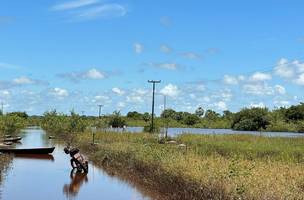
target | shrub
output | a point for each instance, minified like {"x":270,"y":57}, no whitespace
{"x":251,"y":119}
{"x":116,"y":120}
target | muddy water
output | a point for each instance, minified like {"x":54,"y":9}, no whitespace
{"x":49,"y":177}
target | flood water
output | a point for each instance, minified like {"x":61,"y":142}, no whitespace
{"x":49,"y":177}
{"x":177,"y":131}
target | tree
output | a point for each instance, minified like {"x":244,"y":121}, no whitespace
{"x":146,"y":117}
{"x":251,"y":119}
{"x":295,"y":112}
{"x":190,"y":119}
{"x":116,"y":121}
{"x":19,"y":114}
{"x":168,"y":113}
{"x":134,"y":115}
{"x":211,"y":115}
{"x":200,"y":111}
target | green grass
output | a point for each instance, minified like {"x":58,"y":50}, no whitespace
{"x":211,"y":167}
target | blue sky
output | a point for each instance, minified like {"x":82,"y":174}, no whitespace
{"x":216,"y":54}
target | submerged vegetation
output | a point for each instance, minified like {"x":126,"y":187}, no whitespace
{"x":11,"y":124}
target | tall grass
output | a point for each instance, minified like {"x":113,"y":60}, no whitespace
{"x":211,"y":167}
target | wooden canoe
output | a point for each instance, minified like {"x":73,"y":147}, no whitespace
{"x":12,"y":139}
{"x":43,"y":150}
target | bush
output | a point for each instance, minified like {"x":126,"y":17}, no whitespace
{"x":116,"y":120}
{"x":11,"y":124}
{"x":191,"y":119}
{"x":251,"y":119}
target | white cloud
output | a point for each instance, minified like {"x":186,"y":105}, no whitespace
{"x":74,"y":4}
{"x":165,"y":49}
{"x":221,"y":105}
{"x":94,"y":74}
{"x":118,"y":91}
{"x":258,"y":89}
{"x":59,"y":93}
{"x":281,"y":103}
{"x":78,"y":76}
{"x":8,"y":66}
{"x":170,"y":90}
{"x":284,"y":69}
{"x":299,"y":80}
{"x":169,"y":66}
{"x":134,"y":99}
{"x":259,"y":76}
{"x":201,"y":87}
{"x":121,"y":105}
{"x":103,"y":11}
{"x":191,"y":55}
{"x":230,"y":80}
{"x":23,"y":80}
{"x":257,"y":105}
{"x":280,"y":89}
{"x":138,"y":48}
{"x":4,"y":94}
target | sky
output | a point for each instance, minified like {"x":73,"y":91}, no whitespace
{"x":76,"y":54}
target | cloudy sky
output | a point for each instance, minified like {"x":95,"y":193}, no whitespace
{"x":216,"y":54}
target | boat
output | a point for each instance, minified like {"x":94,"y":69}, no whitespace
{"x":12,"y":139}
{"x":42,"y":150}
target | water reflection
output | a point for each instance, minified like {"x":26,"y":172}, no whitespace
{"x":77,"y":179}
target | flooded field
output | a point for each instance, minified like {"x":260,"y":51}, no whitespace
{"x":50,"y":177}
{"x":177,"y":131}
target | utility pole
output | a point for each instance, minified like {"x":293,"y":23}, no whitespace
{"x":2,"y":108}
{"x":99,"y":113}
{"x":153,"y":91}
{"x":166,"y":120}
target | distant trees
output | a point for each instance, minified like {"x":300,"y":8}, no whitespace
{"x":200,"y":112}
{"x":23,"y":115}
{"x":134,"y":115}
{"x":251,"y":119}
{"x":295,"y":113}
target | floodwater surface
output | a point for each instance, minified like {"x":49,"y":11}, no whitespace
{"x":177,"y":131}
{"x":49,"y":177}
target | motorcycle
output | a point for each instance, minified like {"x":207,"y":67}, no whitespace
{"x":78,"y":161}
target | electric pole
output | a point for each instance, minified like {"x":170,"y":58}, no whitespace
{"x":153,"y":91}
{"x":2,"y":108}
{"x":99,"y":113}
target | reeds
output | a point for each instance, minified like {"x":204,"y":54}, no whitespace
{"x":211,"y":167}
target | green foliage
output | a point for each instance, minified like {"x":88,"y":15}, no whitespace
{"x":63,"y":125}
{"x":134,"y":115}
{"x":212,"y":115}
{"x":146,"y":117}
{"x":190,"y":119}
{"x":295,"y":113}
{"x":116,"y":120}
{"x":251,"y":119}
{"x":19,"y":114}
{"x":200,"y":111}
{"x":11,"y":124}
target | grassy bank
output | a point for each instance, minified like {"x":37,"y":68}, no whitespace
{"x":211,"y":167}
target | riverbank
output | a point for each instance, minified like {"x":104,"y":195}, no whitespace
{"x":209,"y":167}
